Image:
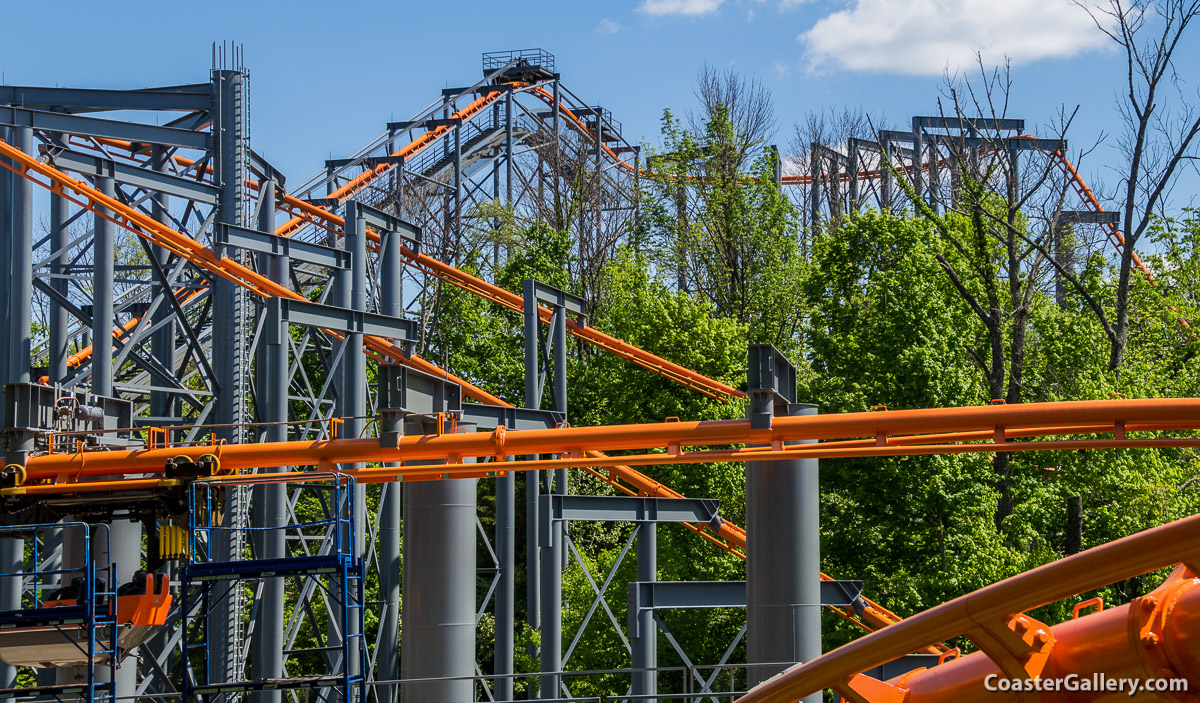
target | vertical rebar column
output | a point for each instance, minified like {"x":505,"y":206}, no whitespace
{"x":645,"y":645}
{"x":387,"y":656}
{"x":532,"y":478}
{"x":354,"y":407}
{"x":439,"y":591}
{"x":783,"y":563}
{"x":225,"y":638}
{"x":270,"y":500}
{"x":162,"y":342}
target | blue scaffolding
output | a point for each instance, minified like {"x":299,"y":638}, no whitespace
{"x":209,"y":576}
{"x":67,"y":615}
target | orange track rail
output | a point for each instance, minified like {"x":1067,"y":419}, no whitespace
{"x":1154,"y":636}
{"x":204,"y":258}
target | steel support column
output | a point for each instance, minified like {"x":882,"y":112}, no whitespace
{"x":506,"y":508}
{"x":59,"y":321}
{"x":783,"y":596}
{"x":533,"y":479}
{"x":162,"y":342}
{"x":16,"y":228}
{"x":645,"y":645}
{"x":228,"y":323}
{"x":270,"y":501}
{"x":554,"y":549}
{"x":387,"y":656}
{"x":103,"y":275}
{"x":352,"y":291}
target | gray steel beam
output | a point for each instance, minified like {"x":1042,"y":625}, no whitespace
{"x":154,"y":180}
{"x":73,"y":100}
{"x":968,"y":123}
{"x":380,"y":220}
{"x":107,"y":129}
{"x":783,"y":563}
{"x":489,"y":417}
{"x":303,"y":312}
{"x":674,"y":595}
{"x":262,"y":242}
{"x":270,"y":500}
{"x":631,"y":509}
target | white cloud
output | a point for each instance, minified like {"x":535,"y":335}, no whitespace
{"x":785,"y":5}
{"x":781,"y":69}
{"x":608,"y":26}
{"x":687,"y":8}
{"x":924,"y":37}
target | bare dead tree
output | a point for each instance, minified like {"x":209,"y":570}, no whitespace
{"x":1007,"y":195}
{"x":1160,"y":123}
{"x":751,"y":109}
{"x":820,"y":147}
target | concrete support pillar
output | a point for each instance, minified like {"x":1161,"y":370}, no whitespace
{"x":783,"y":592}
{"x":645,"y":645}
{"x":439,"y":591}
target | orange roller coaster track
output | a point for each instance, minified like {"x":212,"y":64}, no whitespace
{"x":1154,"y":637}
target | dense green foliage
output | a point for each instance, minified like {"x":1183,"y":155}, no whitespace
{"x":872,"y":317}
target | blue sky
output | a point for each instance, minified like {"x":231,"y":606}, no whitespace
{"x":327,"y":77}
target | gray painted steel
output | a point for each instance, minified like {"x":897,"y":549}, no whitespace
{"x":439,"y":591}
{"x":162,"y":343}
{"x":103,"y":272}
{"x":644,"y":641}
{"x":73,"y":100}
{"x":270,"y":501}
{"x":109,"y":129}
{"x":533,"y":479}
{"x":263,"y":242}
{"x":783,"y":593}
{"x":387,"y":655}
{"x":227,"y":351}
{"x":352,"y":402}
{"x":631,"y":509}
{"x":167,"y":184}
{"x":353,"y":322}
{"x":59,"y":320}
